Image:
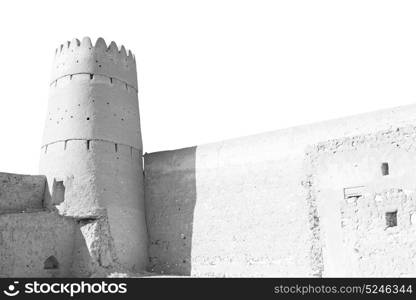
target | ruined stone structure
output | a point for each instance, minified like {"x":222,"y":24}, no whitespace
{"x":336,"y":198}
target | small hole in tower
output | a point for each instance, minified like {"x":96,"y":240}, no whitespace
{"x":91,"y":76}
{"x":111,"y":79}
{"x":116,"y":147}
{"x":384,"y":169}
{"x":88,"y":144}
{"x":88,"y":118}
{"x":391,"y":218}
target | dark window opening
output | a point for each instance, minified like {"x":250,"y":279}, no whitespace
{"x":51,"y":263}
{"x":391,"y":219}
{"x":58,"y":192}
{"x":385,"y":169}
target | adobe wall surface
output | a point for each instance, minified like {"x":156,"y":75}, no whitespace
{"x":21,"y":192}
{"x":28,"y":239}
{"x":353,"y":197}
{"x":240,"y":207}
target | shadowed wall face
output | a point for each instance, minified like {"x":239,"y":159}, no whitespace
{"x":170,"y":217}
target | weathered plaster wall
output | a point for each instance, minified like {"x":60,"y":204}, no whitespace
{"x":354,"y":236}
{"x":94,"y":251}
{"x":240,"y":207}
{"x":92,"y":142}
{"x":28,"y":239}
{"x":21,"y":192}
{"x":172,"y":184}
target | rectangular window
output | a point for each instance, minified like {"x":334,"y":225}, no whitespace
{"x":391,"y":218}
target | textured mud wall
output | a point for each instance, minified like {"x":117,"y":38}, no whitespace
{"x":27,"y":240}
{"x":354,"y":200}
{"x":92,"y":142}
{"x":171,"y":216}
{"x":21,"y":192}
{"x":240,"y":207}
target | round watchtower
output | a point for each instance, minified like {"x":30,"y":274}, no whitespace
{"x":92,"y":142}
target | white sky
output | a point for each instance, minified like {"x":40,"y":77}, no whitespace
{"x":212,"y":70}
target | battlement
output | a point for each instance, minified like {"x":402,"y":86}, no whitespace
{"x":82,"y":57}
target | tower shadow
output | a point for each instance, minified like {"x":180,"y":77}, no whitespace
{"x":170,"y":198}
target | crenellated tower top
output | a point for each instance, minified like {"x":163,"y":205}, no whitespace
{"x":82,"y":57}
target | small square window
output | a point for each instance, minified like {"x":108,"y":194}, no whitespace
{"x":384,"y":169}
{"x":391,"y":219}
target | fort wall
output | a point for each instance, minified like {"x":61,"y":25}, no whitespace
{"x":244,"y":207}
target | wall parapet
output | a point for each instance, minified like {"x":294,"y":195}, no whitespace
{"x":77,"y":57}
